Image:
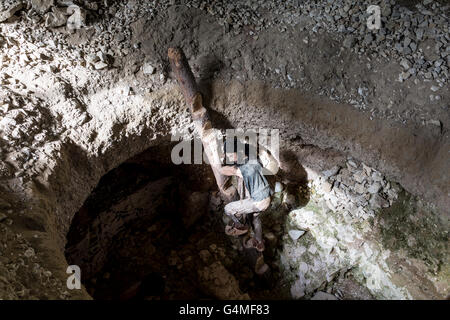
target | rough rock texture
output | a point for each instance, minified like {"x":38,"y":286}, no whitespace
{"x":344,"y":233}
{"x":148,"y":202}
{"x":220,"y":283}
{"x":76,"y":103}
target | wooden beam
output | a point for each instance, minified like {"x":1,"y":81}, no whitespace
{"x":202,"y":123}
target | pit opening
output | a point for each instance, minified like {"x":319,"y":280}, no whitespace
{"x":155,"y":230}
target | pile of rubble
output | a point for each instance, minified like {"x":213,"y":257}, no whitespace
{"x":329,"y":249}
{"x":54,"y":13}
{"x":25,"y":128}
{"x":353,"y":218}
{"x":356,"y":189}
{"x":326,"y":239}
{"x":417,"y":38}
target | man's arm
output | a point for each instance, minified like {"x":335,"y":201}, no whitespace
{"x":230,"y":171}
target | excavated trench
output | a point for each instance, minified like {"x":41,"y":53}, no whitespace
{"x":345,"y":224}
{"x":154,"y":230}
{"x":339,"y":228}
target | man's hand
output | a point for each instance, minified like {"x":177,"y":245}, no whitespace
{"x":230,"y":171}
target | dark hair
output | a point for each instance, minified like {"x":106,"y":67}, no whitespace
{"x":235,"y":143}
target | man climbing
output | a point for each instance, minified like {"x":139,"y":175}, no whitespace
{"x":255,"y":193}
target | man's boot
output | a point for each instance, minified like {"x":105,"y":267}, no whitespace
{"x":236,"y":228}
{"x":253,"y":243}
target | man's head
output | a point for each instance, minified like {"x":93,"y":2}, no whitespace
{"x":236,"y":152}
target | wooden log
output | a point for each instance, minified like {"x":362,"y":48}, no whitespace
{"x":202,"y":123}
